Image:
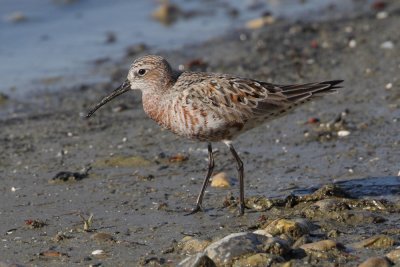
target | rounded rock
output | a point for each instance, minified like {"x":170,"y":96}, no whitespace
{"x":377,"y":241}
{"x":236,"y":245}
{"x":258,"y":260}
{"x":323,"y":245}
{"x":191,"y":245}
{"x":376,"y":262}
{"x":293,"y":228}
{"x":197,"y":260}
{"x":220,"y":180}
{"x":394,"y":255}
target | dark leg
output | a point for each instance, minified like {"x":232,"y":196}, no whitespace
{"x":241,"y":178}
{"x":205,"y":183}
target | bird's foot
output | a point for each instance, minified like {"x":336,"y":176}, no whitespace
{"x":196,"y":209}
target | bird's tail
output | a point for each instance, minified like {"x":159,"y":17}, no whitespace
{"x":300,"y":92}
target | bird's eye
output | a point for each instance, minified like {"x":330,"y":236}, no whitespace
{"x":142,"y":72}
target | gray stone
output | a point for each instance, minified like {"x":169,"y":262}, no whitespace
{"x":236,"y":245}
{"x":197,"y":260}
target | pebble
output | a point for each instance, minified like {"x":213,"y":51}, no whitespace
{"x":382,"y":15}
{"x":220,"y":180}
{"x":293,"y":228}
{"x":260,"y":22}
{"x":377,"y":241}
{"x":376,"y":262}
{"x":119,"y":108}
{"x":98,"y":252}
{"x":348,"y":29}
{"x":14,"y":189}
{"x":343,"y":133}
{"x":394,"y":255}
{"x":258,"y":260}
{"x":235,"y":245}
{"x":352,"y":43}
{"x":389,"y":86}
{"x":327,"y":250}
{"x":197,"y":260}
{"x":191,"y":245}
{"x":387,"y":45}
{"x":323,"y":245}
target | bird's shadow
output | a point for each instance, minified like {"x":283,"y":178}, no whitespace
{"x":387,"y":186}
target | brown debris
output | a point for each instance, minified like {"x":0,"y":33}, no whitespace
{"x":178,"y":158}
{"x":52,"y":254}
{"x":35,"y":224}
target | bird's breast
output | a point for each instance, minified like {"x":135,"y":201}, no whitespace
{"x":188,"y":120}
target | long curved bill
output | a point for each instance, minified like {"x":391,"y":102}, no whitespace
{"x":124,"y":87}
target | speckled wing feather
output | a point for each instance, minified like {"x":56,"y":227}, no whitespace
{"x":246,"y":98}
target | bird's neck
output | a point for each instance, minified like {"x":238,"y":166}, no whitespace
{"x":157,"y":103}
{"x":154,"y":105}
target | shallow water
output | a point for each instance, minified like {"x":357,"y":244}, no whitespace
{"x":58,"y":40}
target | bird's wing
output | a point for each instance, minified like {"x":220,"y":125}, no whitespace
{"x":245,"y":98}
{"x":224,"y":94}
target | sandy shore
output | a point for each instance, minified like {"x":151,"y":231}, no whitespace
{"x":138,"y":196}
